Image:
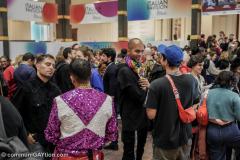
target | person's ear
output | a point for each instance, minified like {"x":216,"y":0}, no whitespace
{"x":73,"y":81}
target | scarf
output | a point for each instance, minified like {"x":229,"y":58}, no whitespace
{"x":135,"y":66}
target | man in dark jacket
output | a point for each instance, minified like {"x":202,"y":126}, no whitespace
{"x":34,"y":101}
{"x":110,"y":83}
{"x":132,"y":92}
{"x":62,"y":75}
{"x":25,"y":70}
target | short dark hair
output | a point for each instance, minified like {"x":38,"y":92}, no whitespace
{"x":195,"y":50}
{"x":74,"y":45}
{"x":42,"y":57}
{"x":124,"y":51}
{"x":110,"y":52}
{"x":80,"y":69}
{"x":28,"y":56}
{"x":170,"y":64}
{"x":121,"y":55}
{"x":194,"y":60}
{"x":226,"y":79}
{"x":66,"y":51}
{"x":212,"y":53}
{"x":202,"y":35}
{"x":154,"y":47}
{"x":7,"y":58}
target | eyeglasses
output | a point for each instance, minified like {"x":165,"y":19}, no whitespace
{"x":138,"y":51}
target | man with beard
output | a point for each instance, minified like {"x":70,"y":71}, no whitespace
{"x":132,"y":92}
{"x":110,"y":83}
{"x":34,"y":101}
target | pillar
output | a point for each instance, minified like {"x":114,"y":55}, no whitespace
{"x":196,"y":22}
{"x":122,"y":21}
{"x":63,"y":28}
{"x":4,"y":27}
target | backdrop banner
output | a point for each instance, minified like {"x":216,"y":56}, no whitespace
{"x":158,"y":9}
{"x":25,"y":10}
{"x":94,"y":13}
{"x":220,"y":7}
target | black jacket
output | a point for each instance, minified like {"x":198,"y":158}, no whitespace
{"x":34,"y":101}
{"x":130,"y":99}
{"x":157,"y":72}
{"x":61,"y":77}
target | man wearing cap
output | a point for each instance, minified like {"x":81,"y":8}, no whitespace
{"x":171,"y":137}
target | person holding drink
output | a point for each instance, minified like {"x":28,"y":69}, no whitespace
{"x":132,"y":89}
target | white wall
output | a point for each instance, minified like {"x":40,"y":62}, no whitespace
{"x":97,"y":32}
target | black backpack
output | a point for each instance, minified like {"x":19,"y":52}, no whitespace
{"x":11,"y":145}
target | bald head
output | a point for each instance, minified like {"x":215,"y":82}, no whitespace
{"x":134,"y":42}
{"x":135,"y":49}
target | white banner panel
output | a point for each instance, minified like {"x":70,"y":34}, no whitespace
{"x":94,"y":13}
{"x":158,"y":9}
{"x":25,"y":10}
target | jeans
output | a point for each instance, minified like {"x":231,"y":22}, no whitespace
{"x":128,"y":139}
{"x":218,"y":137}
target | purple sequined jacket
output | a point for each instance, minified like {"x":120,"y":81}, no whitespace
{"x":81,"y":119}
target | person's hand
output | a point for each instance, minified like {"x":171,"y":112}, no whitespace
{"x":143,"y":82}
{"x":235,"y":55}
{"x":219,"y":122}
{"x":30,"y":139}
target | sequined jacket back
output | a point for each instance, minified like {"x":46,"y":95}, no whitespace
{"x":81,"y":119}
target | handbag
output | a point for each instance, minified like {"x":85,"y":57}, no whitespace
{"x":186,"y":115}
{"x":202,"y":113}
{"x":12,"y":144}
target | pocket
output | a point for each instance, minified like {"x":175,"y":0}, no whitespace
{"x":36,"y":101}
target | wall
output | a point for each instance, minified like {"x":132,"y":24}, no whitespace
{"x":215,"y":24}
{"x":97,"y":32}
{"x":19,"y":30}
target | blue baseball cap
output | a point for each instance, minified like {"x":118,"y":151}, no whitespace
{"x":173,"y":54}
{"x":161,"y":48}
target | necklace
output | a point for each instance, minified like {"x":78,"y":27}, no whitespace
{"x":84,"y":86}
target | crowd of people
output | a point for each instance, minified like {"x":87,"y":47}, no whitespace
{"x":69,"y":104}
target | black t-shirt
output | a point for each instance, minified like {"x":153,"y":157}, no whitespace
{"x":169,"y":131}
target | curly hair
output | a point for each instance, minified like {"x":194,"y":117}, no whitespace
{"x":226,"y":79}
{"x":194,"y":60}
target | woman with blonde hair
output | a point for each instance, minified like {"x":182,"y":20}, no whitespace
{"x":17,"y":61}
{"x":223,"y":62}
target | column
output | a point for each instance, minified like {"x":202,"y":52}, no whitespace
{"x":63,"y":28}
{"x":4,"y":27}
{"x":122,"y":21}
{"x":196,"y":22}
